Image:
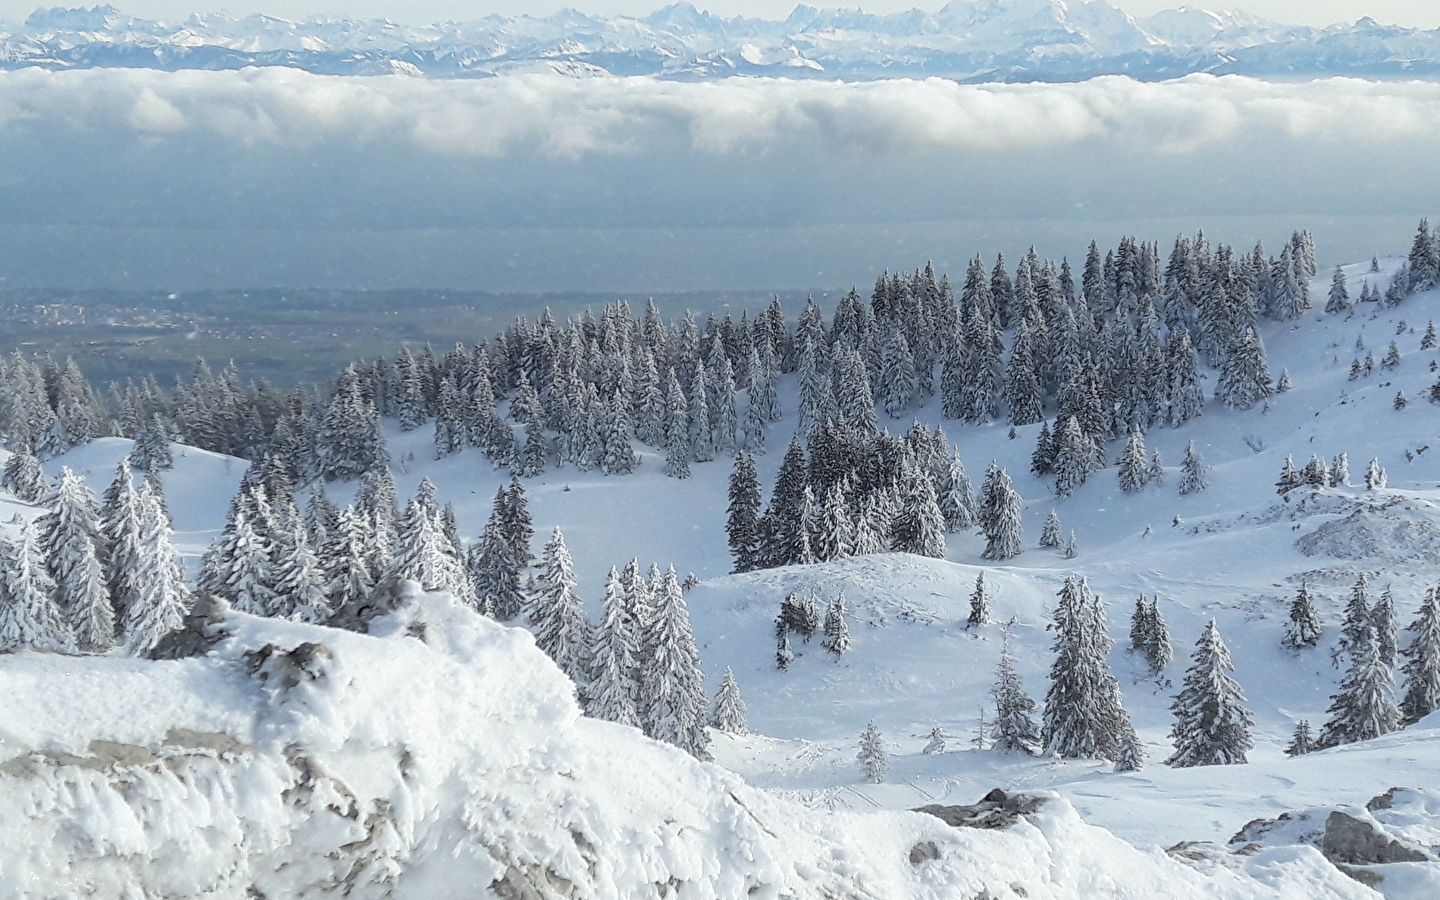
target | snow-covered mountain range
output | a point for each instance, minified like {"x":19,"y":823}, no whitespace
{"x":966,"y":40}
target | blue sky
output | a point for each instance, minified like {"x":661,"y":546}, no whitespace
{"x":1422,"y":13}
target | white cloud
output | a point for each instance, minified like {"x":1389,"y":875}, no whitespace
{"x":567,"y":118}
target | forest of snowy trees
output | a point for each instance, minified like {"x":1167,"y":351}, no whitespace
{"x":1110,"y":357}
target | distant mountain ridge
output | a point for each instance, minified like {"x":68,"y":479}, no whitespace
{"x":967,"y":40}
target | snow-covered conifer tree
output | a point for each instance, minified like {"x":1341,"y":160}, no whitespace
{"x":1130,"y":757}
{"x":613,"y":685}
{"x":678,"y":448}
{"x":898,"y":379}
{"x":1302,"y":741}
{"x":727,"y":713}
{"x":1387,"y":630}
{"x":1357,"y":622}
{"x":1290,"y":477}
{"x":1364,"y":707}
{"x":299,"y":580}
{"x":425,"y":555}
{"x":672,"y":692}
{"x":1013,"y":729}
{"x":557,"y":616}
{"x":1244,"y":376}
{"x":1074,"y":456}
{"x":161,"y":598}
{"x":29,"y":616}
{"x":743,"y":515}
{"x":1141,"y":629}
{"x":346,"y":570}
{"x":1194,"y":474}
{"x":24,"y":479}
{"x":72,"y":545}
{"x":1212,"y":727}
{"x":1340,"y":470}
{"x":1134,"y":467}
{"x":1422,"y":662}
{"x":1339,"y":300}
{"x":1375,"y":478}
{"x":1050,"y":534}
{"x":1303,"y":628}
{"x":1158,"y":651}
{"x":979,"y":604}
{"x":871,"y":755}
{"x":1084,"y":717}
{"x":837,"y":631}
{"x":918,"y":526}
{"x":957,"y":497}
{"x":1000,"y":517}
{"x":936,"y":744}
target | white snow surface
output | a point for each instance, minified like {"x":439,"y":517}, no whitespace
{"x":431,"y":756}
{"x":494,"y":743}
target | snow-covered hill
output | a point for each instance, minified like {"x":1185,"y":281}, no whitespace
{"x":1235,"y":552}
{"x":442,"y":755}
{"x":968,"y":40}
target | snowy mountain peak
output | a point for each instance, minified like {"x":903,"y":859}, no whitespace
{"x":966,"y":40}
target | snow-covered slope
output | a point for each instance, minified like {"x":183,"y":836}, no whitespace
{"x":442,"y":755}
{"x":970,"y":40}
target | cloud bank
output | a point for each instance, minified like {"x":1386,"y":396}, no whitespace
{"x":106,"y":157}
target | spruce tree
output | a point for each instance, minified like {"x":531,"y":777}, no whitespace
{"x":1050,"y":534}
{"x":1339,"y":300}
{"x":1382,"y":620}
{"x":1013,"y":729}
{"x":613,"y":685}
{"x":1340,"y":470}
{"x":1141,"y":628}
{"x":557,"y":616}
{"x":24,"y":479}
{"x":957,"y":497}
{"x":1375,"y":478}
{"x":837,"y":630}
{"x":979,"y":604}
{"x":918,"y":526}
{"x":1302,"y":741}
{"x":1158,"y":651}
{"x":424,"y":554}
{"x":1364,"y":707}
{"x":743,"y":515}
{"x":1001,"y":517}
{"x":161,"y":598}
{"x":871,"y":754}
{"x":346,"y":570}
{"x":1422,"y":662}
{"x":1212,"y":727}
{"x":1194,"y":474}
{"x":727,"y":713}
{"x":678,"y":448}
{"x":1303,"y":628}
{"x":299,"y":580}
{"x":1074,"y":456}
{"x":1290,"y":477}
{"x":1356,"y":624}
{"x":29,"y":616}
{"x":72,"y":546}
{"x":936,"y":745}
{"x":1130,"y":757}
{"x":672,"y":691}
{"x":1084,"y":717}
{"x":1134,"y":467}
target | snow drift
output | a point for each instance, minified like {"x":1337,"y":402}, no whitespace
{"x":442,"y":755}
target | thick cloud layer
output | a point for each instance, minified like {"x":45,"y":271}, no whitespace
{"x":195,"y":177}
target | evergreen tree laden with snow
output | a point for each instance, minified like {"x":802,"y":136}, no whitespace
{"x":836,"y":638}
{"x":1084,"y":717}
{"x":1194,"y":474}
{"x":1001,"y":517}
{"x":936,"y":744}
{"x":1375,"y":478}
{"x":1134,"y":466}
{"x":1303,"y":628}
{"x":613,"y":687}
{"x":1131,"y":755}
{"x":1013,"y":729}
{"x":1387,"y":630}
{"x":346,"y":564}
{"x":672,"y":693}
{"x":1050,"y":533}
{"x":29,"y":616}
{"x":1356,"y":624}
{"x":1339,"y":299}
{"x":1302,"y":741}
{"x":727,"y":713}
{"x":300,"y":581}
{"x":24,"y":479}
{"x":1212,"y":726}
{"x":979,"y":604}
{"x":742,"y":525}
{"x":1158,"y":651}
{"x":919,"y":526}
{"x":161,"y":598}
{"x":1364,"y":707}
{"x":872,"y":756}
{"x":72,"y":546}
{"x":557,"y":616}
{"x":1422,"y":662}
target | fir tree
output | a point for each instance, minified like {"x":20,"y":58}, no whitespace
{"x":1382,"y":621}
{"x":1000,"y":517}
{"x":871,"y":755}
{"x":1158,"y":651}
{"x":1339,"y":300}
{"x":1155,"y":474}
{"x":29,"y":616}
{"x":161,"y":599}
{"x":1084,"y":717}
{"x":72,"y":545}
{"x":1194,"y":474}
{"x":1131,"y":755}
{"x":424,"y":554}
{"x":672,"y":692}
{"x":1427,"y":340}
{"x":1211,"y":728}
{"x":1074,"y":456}
{"x":1070,"y":550}
{"x":742,"y":526}
{"x":1375,"y":478}
{"x":1356,"y":624}
{"x":347,"y":573}
{"x":979,"y":604}
{"x":727,"y":713}
{"x":1134,"y":468}
{"x":919,"y":526}
{"x":24,"y":479}
{"x":784,"y":655}
{"x":957,"y":497}
{"x":1283,"y":384}
{"x":1290,"y":477}
{"x":1050,"y":534}
{"x":1303,"y":628}
{"x":1244,"y":377}
{"x":837,"y":630}
{"x":557,"y":616}
{"x":1422,"y":662}
{"x":1141,"y":628}
{"x":1013,"y":729}
{"x":1340,"y":470}
{"x":1364,"y":707}
{"x":300,"y":582}
{"x":613,"y":685}
{"x":1302,"y":741}
{"x":677,"y":430}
